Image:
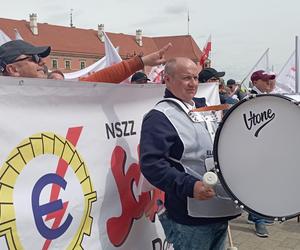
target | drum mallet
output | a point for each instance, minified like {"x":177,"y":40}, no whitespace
{"x":210,"y":179}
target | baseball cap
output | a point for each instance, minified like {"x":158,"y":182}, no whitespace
{"x":11,"y":50}
{"x":139,"y":76}
{"x":231,"y":82}
{"x":262,"y":75}
{"x":208,"y":73}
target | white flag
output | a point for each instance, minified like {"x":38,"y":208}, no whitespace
{"x":111,"y":54}
{"x":111,"y":57}
{"x":18,"y":35}
{"x":3,"y":38}
{"x":100,"y":64}
{"x":286,"y":78}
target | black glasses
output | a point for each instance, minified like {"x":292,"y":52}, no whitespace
{"x":33,"y":58}
{"x":213,"y":79}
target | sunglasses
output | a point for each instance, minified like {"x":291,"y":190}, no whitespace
{"x":33,"y":58}
{"x":214,"y":79}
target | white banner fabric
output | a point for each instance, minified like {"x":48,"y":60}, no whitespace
{"x":286,"y":78}
{"x":69,"y":172}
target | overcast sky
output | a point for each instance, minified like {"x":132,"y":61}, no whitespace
{"x":241,"y":29}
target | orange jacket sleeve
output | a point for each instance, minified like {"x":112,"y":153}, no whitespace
{"x":117,"y":72}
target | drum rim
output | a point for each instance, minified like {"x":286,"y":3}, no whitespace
{"x":236,"y":200}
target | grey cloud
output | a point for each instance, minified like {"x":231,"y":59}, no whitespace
{"x":175,"y":9}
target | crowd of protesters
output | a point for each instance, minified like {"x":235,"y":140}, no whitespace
{"x":21,"y":59}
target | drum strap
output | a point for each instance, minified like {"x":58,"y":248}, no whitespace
{"x":207,"y":117}
{"x":186,"y":167}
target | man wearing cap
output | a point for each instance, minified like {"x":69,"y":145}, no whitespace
{"x":235,"y":89}
{"x":262,"y":82}
{"x":211,"y":75}
{"x":21,"y":59}
{"x":18,"y":58}
{"x":139,"y":78}
{"x":261,"y":85}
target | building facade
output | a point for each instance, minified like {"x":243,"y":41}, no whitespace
{"x":75,"y":48}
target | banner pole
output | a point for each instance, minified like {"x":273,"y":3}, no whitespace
{"x":296,"y":66}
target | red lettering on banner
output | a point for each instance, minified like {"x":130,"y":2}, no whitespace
{"x":118,"y":228}
{"x":153,"y":207}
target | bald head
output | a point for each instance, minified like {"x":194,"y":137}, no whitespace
{"x":173,"y":64}
{"x":181,"y":78}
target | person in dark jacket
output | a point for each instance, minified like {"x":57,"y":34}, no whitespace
{"x":174,"y":148}
{"x":235,"y":90}
{"x":212,"y":75}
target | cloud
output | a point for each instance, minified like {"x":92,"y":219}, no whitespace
{"x":175,"y":9}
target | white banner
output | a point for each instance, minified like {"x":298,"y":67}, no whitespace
{"x":69,"y":166}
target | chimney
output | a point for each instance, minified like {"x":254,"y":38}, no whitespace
{"x":33,"y":24}
{"x":100,"y":32}
{"x":138,"y":37}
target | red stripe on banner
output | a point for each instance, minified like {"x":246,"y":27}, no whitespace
{"x":73,"y":135}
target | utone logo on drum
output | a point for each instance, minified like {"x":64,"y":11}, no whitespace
{"x":258,"y":121}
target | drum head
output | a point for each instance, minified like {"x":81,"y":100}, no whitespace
{"x":257,"y":155}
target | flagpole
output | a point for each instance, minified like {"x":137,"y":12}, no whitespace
{"x":71,"y":18}
{"x":266,"y":52}
{"x":188,"y":22}
{"x":296,"y":66}
{"x":267,"y":59}
{"x":286,"y":63}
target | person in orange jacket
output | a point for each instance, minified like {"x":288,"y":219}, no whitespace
{"x":21,"y":59}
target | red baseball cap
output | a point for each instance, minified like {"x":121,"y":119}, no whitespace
{"x":262,"y":75}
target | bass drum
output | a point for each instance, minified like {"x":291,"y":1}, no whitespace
{"x":257,"y":155}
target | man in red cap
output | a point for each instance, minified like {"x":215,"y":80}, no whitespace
{"x":262,"y":82}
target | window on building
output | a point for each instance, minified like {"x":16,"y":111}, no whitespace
{"x":67,"y":64}
{"x":82,"y":64}
{"x":54,"y":64}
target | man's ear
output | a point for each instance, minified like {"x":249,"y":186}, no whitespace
{"x":12,"y":70}
{"x":166,"y":78}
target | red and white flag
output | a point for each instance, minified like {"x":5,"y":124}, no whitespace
{"x":156,"y":74}
{"x":206,"y":51}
